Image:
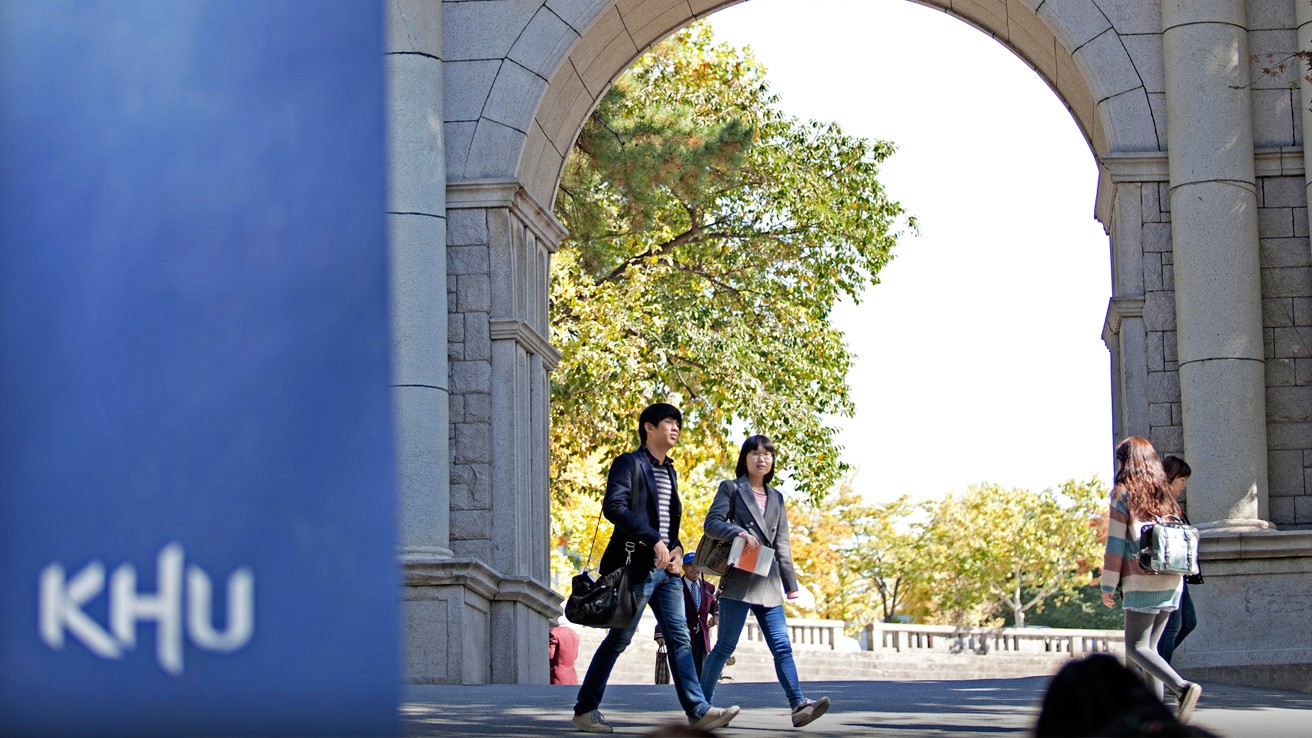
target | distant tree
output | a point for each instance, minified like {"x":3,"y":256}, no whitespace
{"x":995,"y":549}
{"x":711,"y":236}
{"x":889,"y":552}
{"x":824,"y":540}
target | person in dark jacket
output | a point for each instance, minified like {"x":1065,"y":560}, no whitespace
{"x":701,"y":607}
{"x":1184,"y":618}
{"x":642,"y":500}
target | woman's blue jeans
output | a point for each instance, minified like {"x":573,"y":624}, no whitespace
{"x":733,"y":616}
{"x":665,"y":593}
{"x":1183,"y":621}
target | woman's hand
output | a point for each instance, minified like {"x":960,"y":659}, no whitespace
{"x":1108,"y":599}
{"x":749,"y":541}
{"x":791,"y":595}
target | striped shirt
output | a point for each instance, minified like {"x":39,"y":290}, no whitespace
{"x":1142,"y":590}
{"x":664,"y":491}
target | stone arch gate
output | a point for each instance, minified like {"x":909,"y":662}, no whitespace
{"x":1201,"y":191}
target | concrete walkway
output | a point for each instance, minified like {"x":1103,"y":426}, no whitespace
{"x":909,"y":708}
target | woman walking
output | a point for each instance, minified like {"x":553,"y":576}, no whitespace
{"x":749,"y":508}
{"x":1140,"y":496}
{"x":1184,"y":618}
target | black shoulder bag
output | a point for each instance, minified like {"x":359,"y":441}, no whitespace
{"x":607,"y":602}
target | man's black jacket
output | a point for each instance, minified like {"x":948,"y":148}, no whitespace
{"x":632,"y":508}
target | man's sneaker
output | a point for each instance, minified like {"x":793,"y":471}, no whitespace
{"x":1188,"y":699}
{"x":591,"y":722}
{"x":716,"y":717}
{"x":809,"y":710}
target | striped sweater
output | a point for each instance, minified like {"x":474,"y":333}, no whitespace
{"x":1143,"y":590}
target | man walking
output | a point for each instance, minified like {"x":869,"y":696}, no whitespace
{"x":642,"y":500}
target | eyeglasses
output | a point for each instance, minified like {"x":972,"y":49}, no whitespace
{"x":765,"y":455}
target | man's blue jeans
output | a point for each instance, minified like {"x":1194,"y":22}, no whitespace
{"x":733,"y":616}
{"x":664,"y":591}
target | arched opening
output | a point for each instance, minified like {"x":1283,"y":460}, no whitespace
{"x":1016,"y":305}
{"x":521,"y":79}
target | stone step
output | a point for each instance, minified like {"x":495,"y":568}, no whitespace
{"x":754,"y":663}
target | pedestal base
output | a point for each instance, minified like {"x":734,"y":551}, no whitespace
{"x":1252,"y":611}
{"x":466,"y":624}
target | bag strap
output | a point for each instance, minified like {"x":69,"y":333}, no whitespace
{"x":597,"y":525}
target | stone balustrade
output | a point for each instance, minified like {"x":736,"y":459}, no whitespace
{"x":952,"y":639}
{"x":899,"y":638}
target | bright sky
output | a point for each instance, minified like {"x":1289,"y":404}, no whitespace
{"x":980,"y":355}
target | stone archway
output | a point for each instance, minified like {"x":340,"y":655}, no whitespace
{"x":511,"y":84}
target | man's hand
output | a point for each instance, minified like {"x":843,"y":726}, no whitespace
{"x":792,"y":595}
{"x":662,"y":555}
{"x":676,"y":561}
{"x":1108,"y":599}
{"x":749,"y":541}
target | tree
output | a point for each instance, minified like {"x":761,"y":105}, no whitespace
{"x":823,"y":539}
{"x":889,"y":552}
{"x":710,"y":237}
{"x":995,"y":548}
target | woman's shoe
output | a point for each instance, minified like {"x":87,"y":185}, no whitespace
{"x":1188,"y":698}
{"x":809,"y":710}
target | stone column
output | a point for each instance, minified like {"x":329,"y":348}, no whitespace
{"x":417,"y":258}
{"x":1217,"y":275}
{"x":501,"y":244}
{"x":1303,"y":17}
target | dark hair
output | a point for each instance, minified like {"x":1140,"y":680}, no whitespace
{"x":1175,"y":467}
{"x":1139,"y":473}
{"x":654,"y":414}
{"x":1098,"y":696}
{"x":751,"y":444}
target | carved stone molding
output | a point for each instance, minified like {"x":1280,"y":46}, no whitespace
{"x":511,"y":195}
{"x":525,"y":335}
{"x":483,"y":581}
{"x":1118,"y":309}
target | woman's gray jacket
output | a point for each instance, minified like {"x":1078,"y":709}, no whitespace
{"x":771,"y":529}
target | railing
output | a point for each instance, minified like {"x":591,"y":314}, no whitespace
{"x":811,"y":632}
{"x":828,"y":634}
{"x":952,"y":639}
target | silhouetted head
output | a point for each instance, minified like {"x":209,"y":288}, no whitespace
{"x":1098,"y":696}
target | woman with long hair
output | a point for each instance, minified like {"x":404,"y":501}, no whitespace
{"x":750,"y":509}
{"x":1140,"y":496}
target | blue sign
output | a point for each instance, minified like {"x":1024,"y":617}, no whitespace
{"x":197,"y":508}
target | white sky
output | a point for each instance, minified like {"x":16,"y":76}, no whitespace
{"x":980,"y":355}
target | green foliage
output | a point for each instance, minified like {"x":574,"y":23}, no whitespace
{"x":710,"y":237}
{"x":1084,"y":609}
{"x":861,"y":561}
{"x":997,"y":549}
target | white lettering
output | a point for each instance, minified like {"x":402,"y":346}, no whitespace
{"x":241,"y":606}
{"x":128,"y":607}
{"x":61,"y":608}
{"x":61,"y":600}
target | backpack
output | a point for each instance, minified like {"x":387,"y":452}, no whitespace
{"x":1169,"y":546}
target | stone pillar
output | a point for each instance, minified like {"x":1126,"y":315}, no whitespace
{"x":1303,"y":17}
{"x":1216,"y":261}
{"x":1120,"y":209}
{"x":502,"y":242}
{"x":417,"y":258}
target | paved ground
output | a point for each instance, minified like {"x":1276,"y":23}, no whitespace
{"x":921,"y":708}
